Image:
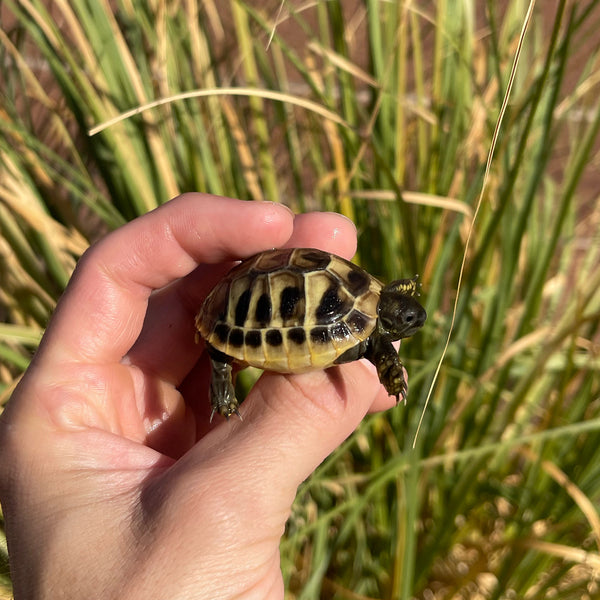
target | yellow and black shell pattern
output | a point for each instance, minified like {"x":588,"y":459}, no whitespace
{"x":290,"y":310}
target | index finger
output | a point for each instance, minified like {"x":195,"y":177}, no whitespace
{"x":102,"y":311}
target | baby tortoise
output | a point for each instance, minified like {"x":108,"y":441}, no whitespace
{"x":299,"y":309}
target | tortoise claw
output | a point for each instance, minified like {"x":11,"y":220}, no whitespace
{"x":226,"y":411}
{"x":394,"y":382}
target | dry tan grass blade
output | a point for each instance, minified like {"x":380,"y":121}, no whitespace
{"x":249,"y":92}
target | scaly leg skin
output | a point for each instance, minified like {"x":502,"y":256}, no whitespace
{"x":222,"y":392}
{"x":389,"y":368}
{"x":391,"y":374}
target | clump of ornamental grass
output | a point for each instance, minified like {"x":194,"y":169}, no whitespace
{"x":385,"y":112}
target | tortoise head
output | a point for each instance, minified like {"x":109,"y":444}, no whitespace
{"x":400,"y":315}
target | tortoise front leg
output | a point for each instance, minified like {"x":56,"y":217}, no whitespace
{"x":389,"y":368}
{"x":222,"y":391}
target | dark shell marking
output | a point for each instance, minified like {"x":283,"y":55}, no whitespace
{"x":290,"y":310}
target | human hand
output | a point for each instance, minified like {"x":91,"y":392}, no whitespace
{"x":113,"y":482}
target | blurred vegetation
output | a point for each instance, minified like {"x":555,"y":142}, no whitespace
{"x":383,"y":111}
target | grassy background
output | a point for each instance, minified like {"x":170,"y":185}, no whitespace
{"x":383,"y":111}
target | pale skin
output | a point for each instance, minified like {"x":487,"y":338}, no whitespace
{"x":112,"y":479}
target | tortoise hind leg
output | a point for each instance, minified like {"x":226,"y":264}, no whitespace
{"x":389,"y":368}
{"x":222,"y":390}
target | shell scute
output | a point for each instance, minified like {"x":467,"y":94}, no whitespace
{"x":263,"y":311}
{"x":290,"y":310}
{"x":308,"y":259}
{"x":291,"y":304}
{"x":266,"y":262}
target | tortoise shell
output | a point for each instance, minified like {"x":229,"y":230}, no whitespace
{"x":290,"y":310}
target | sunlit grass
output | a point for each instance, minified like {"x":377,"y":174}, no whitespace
{"x":383,"y":111}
